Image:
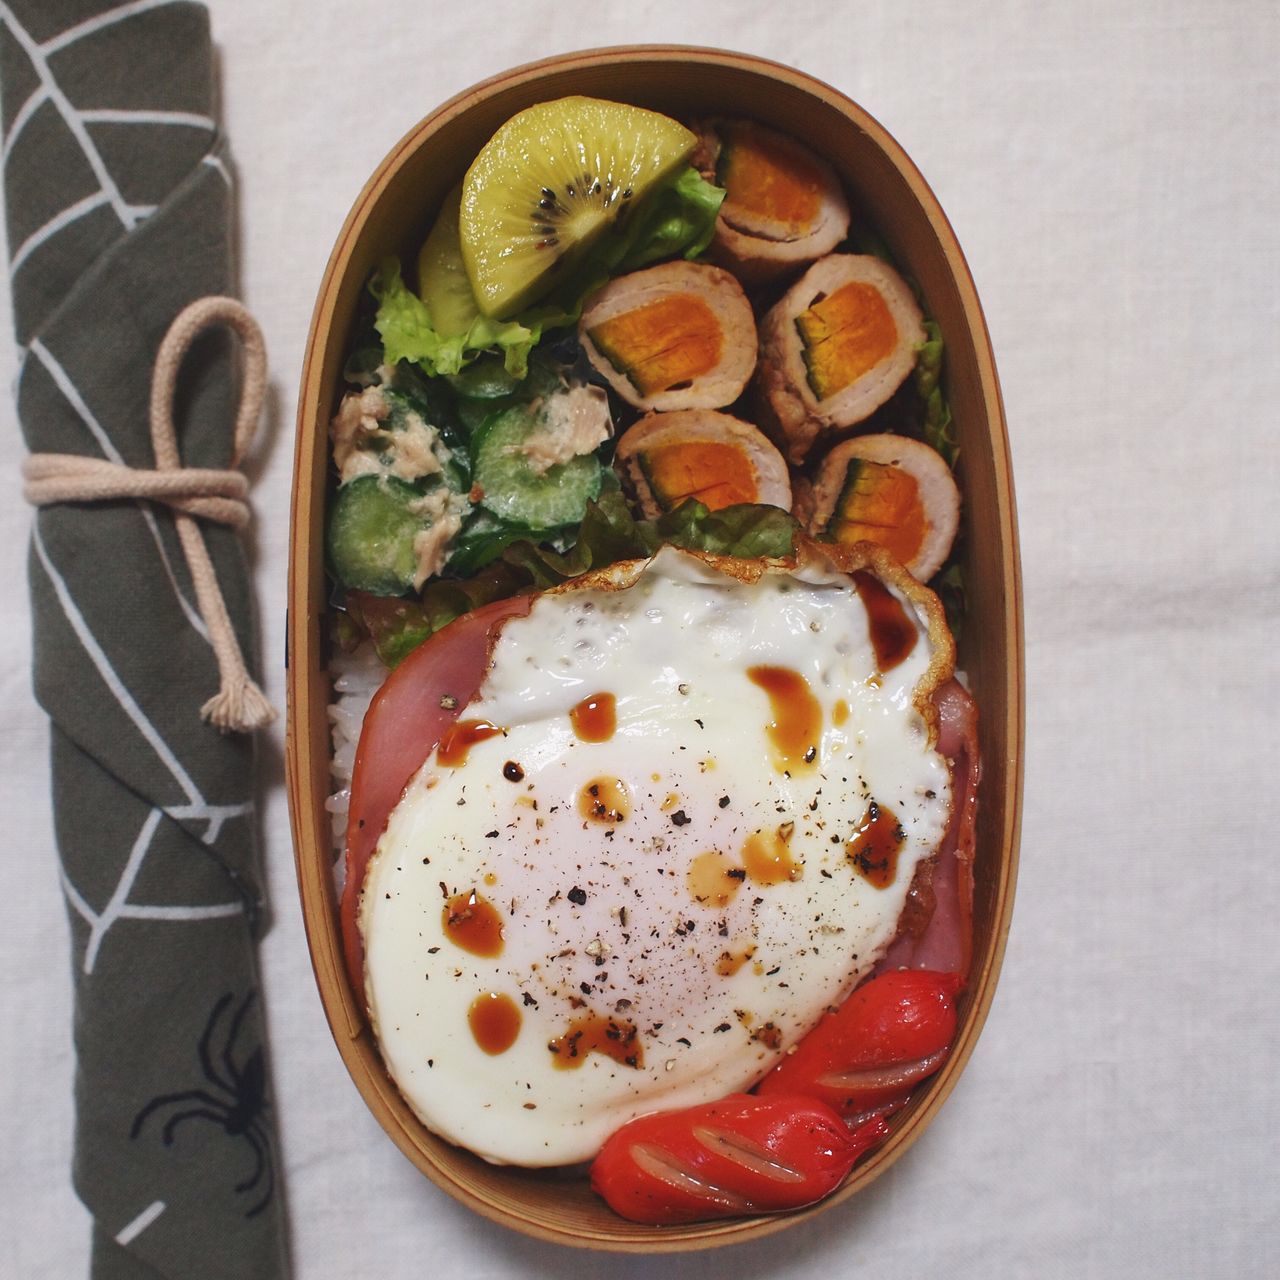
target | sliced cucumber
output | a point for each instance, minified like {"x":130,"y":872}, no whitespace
{"x":473,"y":414}
{"x":371,"y":533}
{"x":513,"y":491}
{"x":485,"y":379}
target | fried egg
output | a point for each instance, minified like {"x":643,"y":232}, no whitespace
{"x":676,"y":824}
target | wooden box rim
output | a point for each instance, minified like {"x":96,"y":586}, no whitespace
{"x":307,"y":735}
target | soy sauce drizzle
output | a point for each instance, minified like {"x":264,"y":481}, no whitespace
{"x":595,"y":719}
{"x":594,"y":1033}
{"x":876,"y":842}
{"x":713,"y":879}
{"x":797,"y":716}
{"x":768,"y":860}
{"x":605,"y":800}
{"x":472,"y":922}
{"x":460,"y":737}
{"x":495,"y":1021}
{"x":892,"y":633}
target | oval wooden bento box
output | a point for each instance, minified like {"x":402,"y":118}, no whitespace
{"x":392,"y":215}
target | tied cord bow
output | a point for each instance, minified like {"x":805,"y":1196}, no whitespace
{"x":191,"y":491}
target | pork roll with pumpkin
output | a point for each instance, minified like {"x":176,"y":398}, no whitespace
{"x":721,"y":461}
{"x":890,"y":490}
{"x":677,"y":336}
{"x":784,"y":206}
{"x":836,"y":346}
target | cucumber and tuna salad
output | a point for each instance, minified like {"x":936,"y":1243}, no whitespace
{"x":620,"y":331}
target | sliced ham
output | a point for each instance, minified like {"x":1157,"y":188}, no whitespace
{"x":407,"y":718}
{"x":940,"y":936}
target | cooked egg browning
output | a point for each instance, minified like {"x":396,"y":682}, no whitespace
{"x":665,"y":928}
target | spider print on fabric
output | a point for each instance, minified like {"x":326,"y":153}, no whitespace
{"x":235,"y":1100}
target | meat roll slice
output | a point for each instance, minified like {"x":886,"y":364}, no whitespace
{"x":836,"y":346}
{"x":695,"y":453}
{"x":784,"y":207}
{"x":890,"y":490}
{"x":677,"y":336}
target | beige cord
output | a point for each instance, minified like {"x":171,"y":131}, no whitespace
{"x":191,"y":491}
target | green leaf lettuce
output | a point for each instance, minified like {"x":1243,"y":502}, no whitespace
{"x":679,"y":219}
{"x":609,"y":533}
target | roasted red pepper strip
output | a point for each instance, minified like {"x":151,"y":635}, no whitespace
{"x":867,"y":1056}
{"x":740,"y":1155}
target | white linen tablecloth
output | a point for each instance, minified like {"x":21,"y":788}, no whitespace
{"x":1113,"y":174}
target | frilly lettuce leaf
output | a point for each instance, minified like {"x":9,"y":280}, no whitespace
{"x":609,"y":533}
{"x":404,"y":324}
{"x":937,"y":427}
{"x":678,"y":221}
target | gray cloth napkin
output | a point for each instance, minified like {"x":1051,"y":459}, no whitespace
{"x":117,"y":202}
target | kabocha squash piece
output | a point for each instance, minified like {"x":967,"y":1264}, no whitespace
{"x":721,"y":461}
{"x":549,"y":183}
{"x":890,"y":490}
{"x":676,"y":336}
{"x":834,"y":348}
{"x":784,"y":207}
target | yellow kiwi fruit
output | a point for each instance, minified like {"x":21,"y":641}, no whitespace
{"x":549,"y":183}
{"x":443,"y":283}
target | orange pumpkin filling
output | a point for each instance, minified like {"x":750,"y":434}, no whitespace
{"x":769,"y":181}
{"x":718,"y":475}
{"x":845,"y":335}
{"x":880,"y":504}
{"x":663,"y":343}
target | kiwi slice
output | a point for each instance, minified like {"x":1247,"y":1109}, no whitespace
{"x":549,"y":183}
{"x":442,"y":277}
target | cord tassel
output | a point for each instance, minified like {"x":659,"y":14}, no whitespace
{"x":191,"y":492}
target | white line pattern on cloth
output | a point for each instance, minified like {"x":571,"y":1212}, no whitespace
{"x":70,"y":116}
{"x":120,"y":894}
{"x":82,"y":908}
{"x":39,"y":96}
{"x":102,"y":20}
{"x":134,"y":1229}
{"x":100,"y":922}
{"x":62,"y":380}
{"x":216,"y":911}
{"x":72,"y":213}
{"x":216,"y":814}
{"x":111,"y":115}
{"x":197,"y":807}
{"x":214,"y":161}
{"x":113,"y":682}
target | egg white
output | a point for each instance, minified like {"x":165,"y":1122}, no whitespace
{"x":692,"y":748}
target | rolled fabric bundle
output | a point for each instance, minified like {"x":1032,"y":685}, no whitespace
{"x":118,"y":206}
{"x":890,"y":490}
{"x":677,"y":336}
{"x":834,"y":348}
{"x":785,"y":207}
{"x":721,"y":461}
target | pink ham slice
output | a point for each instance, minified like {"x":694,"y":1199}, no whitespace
{"x":945,"y":942}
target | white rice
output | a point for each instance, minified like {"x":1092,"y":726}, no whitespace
{"x":356,"y":677}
